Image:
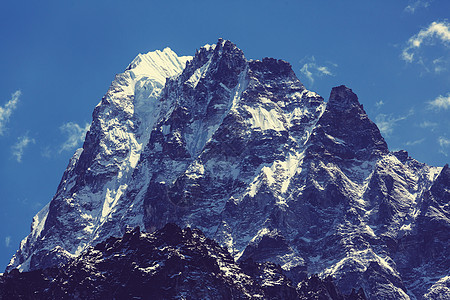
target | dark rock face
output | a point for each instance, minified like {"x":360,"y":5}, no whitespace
{"x":317,"y":288}
{"x":243,"y":151}
{"x":345,"y":132}
{"x":168,"y":264}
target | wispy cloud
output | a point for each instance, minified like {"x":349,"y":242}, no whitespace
{"x":444,"y":143}
{"x":29,"y":204}
{"x":46,"y":152}
{"x":386,"y":123}
{"x":414,"y":5}
{"x":19,"y":147}
{"x":440,"y":65}
{"x":436,"y":32}
{"x":8,"y":241}
{"x":440,"y":103}
{"x":413,"y":143}
{"x":75,"y":135}
{"x":379,"y":104}
{"x":311,"y":69}
{"x":428,"y":124}
{"x":7,"y":110}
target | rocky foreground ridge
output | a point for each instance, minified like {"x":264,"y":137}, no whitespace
{"x":167,"y":264}
{"x":243,"y":151}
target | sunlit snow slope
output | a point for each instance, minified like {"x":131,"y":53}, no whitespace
{"x":91,"y":189}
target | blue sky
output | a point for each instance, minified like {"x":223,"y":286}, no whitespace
{"x":58,"y":58}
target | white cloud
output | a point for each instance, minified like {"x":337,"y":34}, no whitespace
{"x":46,"y":152}
{"x":386,"y":123}
{"x":7,"y":110}
{"x":19,"y":147}
{"x":324,"y":71}
{"x":411,"y":8}
{"x":75,"y":135}
{"x":428,"y":124}
{"x":7,"y":241}
{"x":305,"y":71}
{"x":444,"y":143}
{"x":413,"y":143}
{"x":437,"y":31}
{"x":440,"y":65}
{"x":440,"y":103}
{"x":311,"y":69}
{"x":379,"y":103}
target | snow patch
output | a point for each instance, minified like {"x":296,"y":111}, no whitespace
{"x":264,"y":119}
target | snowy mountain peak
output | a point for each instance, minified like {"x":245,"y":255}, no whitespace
{"x":158,"y":65}
{"x":219,"y":64}
{"x":97,"y":176}
{"x":243,"y":151}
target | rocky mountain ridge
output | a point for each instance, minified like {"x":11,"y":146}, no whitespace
{"x":169,"y":263}
{"x":243,"y":151}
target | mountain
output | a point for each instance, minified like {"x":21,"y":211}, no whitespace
{"x":243,"y":151}
{"x":166,"y":264}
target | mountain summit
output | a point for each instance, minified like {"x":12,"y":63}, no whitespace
{"x":243,"y":151}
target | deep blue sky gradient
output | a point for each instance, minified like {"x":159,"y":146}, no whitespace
{"x":63,"y":55}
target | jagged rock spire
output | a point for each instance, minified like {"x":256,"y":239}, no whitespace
{"x":345,"y":131}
